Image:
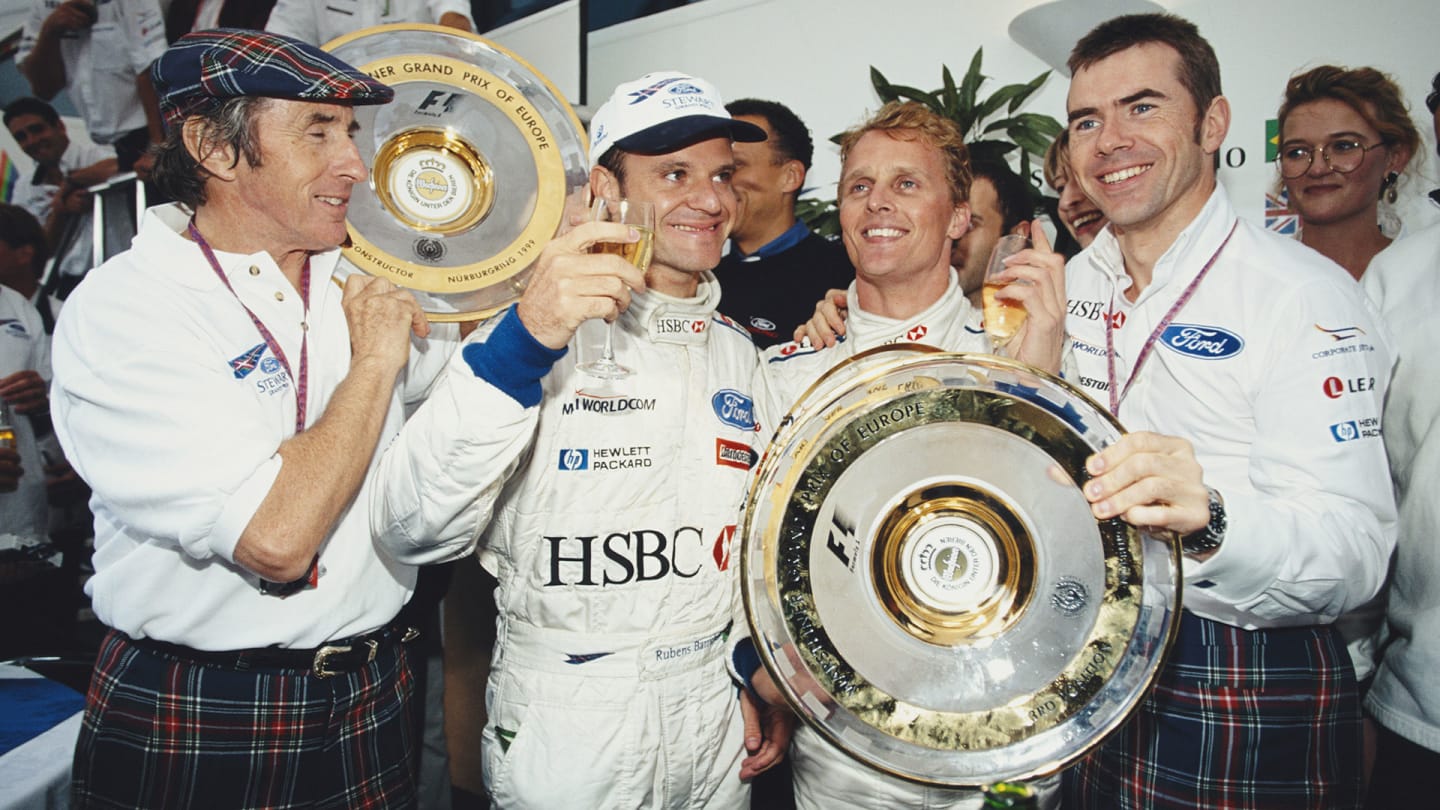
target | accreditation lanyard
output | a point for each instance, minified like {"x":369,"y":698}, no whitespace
{"x":300,"y":382}
{"x":1116,"y":394}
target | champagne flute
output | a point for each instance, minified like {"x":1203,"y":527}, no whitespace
{"x":1003,"y":317}
{"x":641,"y":217}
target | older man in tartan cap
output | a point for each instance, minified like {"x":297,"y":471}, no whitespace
{"x":224,"y":396}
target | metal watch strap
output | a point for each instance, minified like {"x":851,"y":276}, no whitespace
{"x":1209,"y":537}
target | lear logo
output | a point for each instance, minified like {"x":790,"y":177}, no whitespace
{"x":734,"y":409}
{"x":445,"y":100}
{"x":1334,"y":387}
{"x":572,"y":458}
{"x":1343,"y":333}
{"x":917,"y":332}
{"x":1204,"y":342}
{"x":734,"y":454}
{"x":722,"y":547}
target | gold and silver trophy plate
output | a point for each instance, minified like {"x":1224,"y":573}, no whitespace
{"x":470,"y":167}
{"x":925,"y":580}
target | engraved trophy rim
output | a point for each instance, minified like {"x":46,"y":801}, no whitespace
{"x":816,"y":619}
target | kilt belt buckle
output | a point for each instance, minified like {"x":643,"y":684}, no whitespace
{"x":322,"y":657}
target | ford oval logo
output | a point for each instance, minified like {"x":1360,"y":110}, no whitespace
{"x":734,"y":409}
{"x":1204,"y":342}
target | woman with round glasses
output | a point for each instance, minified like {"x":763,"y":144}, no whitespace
{"x":1345,"y":139}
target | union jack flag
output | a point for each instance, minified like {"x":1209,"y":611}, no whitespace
{"x":1279,"y":217}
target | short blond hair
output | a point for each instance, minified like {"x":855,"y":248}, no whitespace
{"x":911,"y":120}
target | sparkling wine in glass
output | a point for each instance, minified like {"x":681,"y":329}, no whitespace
{"x":641,"y":217}
{"x":1003,"y":317}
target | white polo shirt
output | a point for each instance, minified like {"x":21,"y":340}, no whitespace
{"x":1275,"y":370}
{"x":102,"y":63}
{"x":319,"y":21}
{"x":24,"y":513}
{"x":172,"y":407}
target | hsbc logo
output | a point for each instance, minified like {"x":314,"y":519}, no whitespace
{"x":641,"y":555}
{"x":721,"y":551}
{"x":917,"y":332}
{"x":1334,"y":387}
{"x":679,"y":326}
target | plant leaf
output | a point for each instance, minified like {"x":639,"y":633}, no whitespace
{"x":996,"y":100}
{"x":969,"y":88}
{"x":916,"y":94}
{"x":950,"y":94}
{"x":881,"y":85}
{"x":1030,"y":88}
{"x":1029,"y":140}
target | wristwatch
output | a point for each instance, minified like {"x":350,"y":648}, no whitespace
{"x":1209,"y":537}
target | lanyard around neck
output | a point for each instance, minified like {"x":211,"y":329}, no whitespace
{"x":299,"y":382}
{"x":1117,"y":395}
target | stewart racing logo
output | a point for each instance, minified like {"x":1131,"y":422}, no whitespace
{"x":244,"y":364}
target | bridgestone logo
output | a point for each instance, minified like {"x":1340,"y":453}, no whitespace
{"x":734,"y":454}
{"x":619,"y":405}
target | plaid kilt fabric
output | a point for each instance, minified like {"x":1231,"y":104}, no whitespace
{"x":161,"y":732}
{"x":1249,"y":720}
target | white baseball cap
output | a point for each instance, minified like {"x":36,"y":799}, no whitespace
{"x":662,"y":112}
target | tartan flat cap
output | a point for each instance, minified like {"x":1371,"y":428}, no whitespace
{"x":204,"y":68}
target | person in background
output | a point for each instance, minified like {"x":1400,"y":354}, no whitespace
{"x":24,"y":385}
{"x":99,"y":53}
{"x":184,"y":16}
{"x":319,"y":21}
{"x":1345,"y":140}
{"x":1405,"y":697}
{"x":999,"y":205}
{"x":64,"y":166}
{"x":1077,"y":213}
{"x":776,"y":267}
{"x":1251,"y":437}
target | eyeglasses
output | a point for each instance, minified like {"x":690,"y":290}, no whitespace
{"x":1343,"y":155}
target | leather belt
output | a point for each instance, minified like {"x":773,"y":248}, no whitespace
{"x":330,"y":658}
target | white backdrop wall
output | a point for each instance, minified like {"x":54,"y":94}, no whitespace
{"x":815,"y":55}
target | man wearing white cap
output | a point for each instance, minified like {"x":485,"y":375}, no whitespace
{"x":615,"y":502}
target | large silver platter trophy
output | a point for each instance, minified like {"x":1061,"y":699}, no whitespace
{"x":470,"y":167}
{"x":925,"y":580}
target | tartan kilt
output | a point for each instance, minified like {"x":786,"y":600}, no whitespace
{"x":1244,"y":719}
{"x":160,"y":732}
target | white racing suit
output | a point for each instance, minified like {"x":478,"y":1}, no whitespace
{"x":612,"y":543}
{"x":824,"y":776}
